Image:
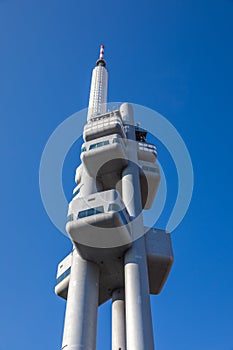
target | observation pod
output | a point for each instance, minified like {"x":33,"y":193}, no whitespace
{"x":149,"y":182}
{"x":99,"y":220}
{"x":147,"y":152}
{"x":63,"y":276}
{"x":103,"y":125}
{"x":109,"y":151}
{"x":159,"y":259}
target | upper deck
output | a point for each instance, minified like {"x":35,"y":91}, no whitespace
{"x":103,"y":125}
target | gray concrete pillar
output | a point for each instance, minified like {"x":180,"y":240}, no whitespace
{"x":118,"y":320}
{"x":82,"y":306}
{"x":139,"y":330}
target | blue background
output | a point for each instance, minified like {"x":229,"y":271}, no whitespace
{"x":173,"y":56}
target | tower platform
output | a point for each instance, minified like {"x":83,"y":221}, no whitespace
{"x":159,"y":261}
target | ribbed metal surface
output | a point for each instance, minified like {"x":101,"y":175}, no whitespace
{"x":98,"y":94}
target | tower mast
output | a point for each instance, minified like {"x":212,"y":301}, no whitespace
{"x":114,"y":256}
{"x":99,"y":87}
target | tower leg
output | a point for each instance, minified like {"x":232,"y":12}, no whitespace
{"x":139,"y":330}
{"x":118,"y":320}
{"x":82,"y":306}
{"x":138,"y":313}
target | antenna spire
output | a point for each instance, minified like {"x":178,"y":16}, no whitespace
{"x":101,"y":52}
{"x":101,"y":61}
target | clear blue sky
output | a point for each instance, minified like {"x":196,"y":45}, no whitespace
{"x":173,"y":56}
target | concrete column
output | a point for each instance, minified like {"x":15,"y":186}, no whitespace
{"x":118,"y":320}
{"x":139,"y":330}
{"x":82,"y":306}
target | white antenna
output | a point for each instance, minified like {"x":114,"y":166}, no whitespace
{"x":99,"y":87}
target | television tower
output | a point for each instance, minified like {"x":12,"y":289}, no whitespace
{"x":114,"y":256}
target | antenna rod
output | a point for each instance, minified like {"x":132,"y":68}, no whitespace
{"x":99,"y":87}
{"x":101,"y":52}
